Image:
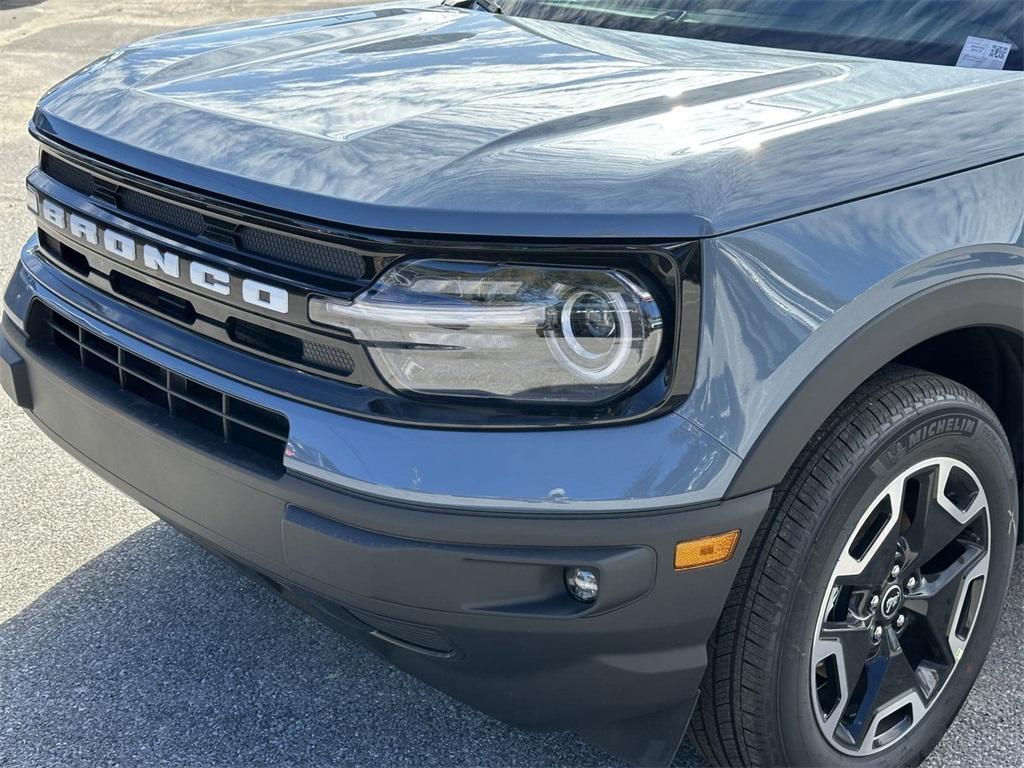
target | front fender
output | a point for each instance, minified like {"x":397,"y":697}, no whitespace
{"x":797,"y":313}
{"x":978,"y":300}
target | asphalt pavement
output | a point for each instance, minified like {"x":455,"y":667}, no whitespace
{"x":122,"y":643}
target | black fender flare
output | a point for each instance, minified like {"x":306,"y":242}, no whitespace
{"x":994,"y":300}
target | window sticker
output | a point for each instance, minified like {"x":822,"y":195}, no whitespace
{"x":979,"y":53}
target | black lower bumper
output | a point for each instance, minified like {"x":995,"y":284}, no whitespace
{"x":474,"y":604}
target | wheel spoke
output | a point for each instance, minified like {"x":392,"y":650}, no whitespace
{"x":939,"y":599}
{"x":900,"y":677}
{"x":879,"y":567}
{"x":932,"y":526}
{"x":869,"y":554}
{"x":841,"y":655}
{"x":856,"y":645}
{"x":889,"y":678}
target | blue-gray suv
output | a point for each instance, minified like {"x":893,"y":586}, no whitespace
{"x":623,"y":366}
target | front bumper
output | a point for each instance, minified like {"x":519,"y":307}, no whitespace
{"x":468,"y":596}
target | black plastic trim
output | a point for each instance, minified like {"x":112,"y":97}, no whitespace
{"x":13,"y":374}
{"x":533,"y":585}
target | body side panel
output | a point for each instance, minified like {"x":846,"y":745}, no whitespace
{"x":781,"y":300}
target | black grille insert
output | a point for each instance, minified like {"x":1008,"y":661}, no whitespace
{"x":328,"y":260}
{"x":154,"y":209}
{"x":165,"y":303}
{"x":67,"y":174}
{"x":317,"y":257}
{"x":314,"y":354}
{"x":65,"y":255}
{"x":234,"y":421}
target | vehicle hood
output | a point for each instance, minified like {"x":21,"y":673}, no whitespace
{"x":441,"y":120}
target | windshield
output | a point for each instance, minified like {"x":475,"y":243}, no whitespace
{"x":967,"y":33}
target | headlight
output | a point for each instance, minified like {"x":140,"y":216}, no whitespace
{"x":509,"y":331}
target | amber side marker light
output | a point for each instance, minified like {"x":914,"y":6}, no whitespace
{"x":710,"y":550}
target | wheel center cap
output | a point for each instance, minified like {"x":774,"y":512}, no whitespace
{"x":891,"y":601}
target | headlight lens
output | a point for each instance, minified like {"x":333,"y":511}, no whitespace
{"x":515,"y":332}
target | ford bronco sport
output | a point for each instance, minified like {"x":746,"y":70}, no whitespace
{"x":620,"y":366}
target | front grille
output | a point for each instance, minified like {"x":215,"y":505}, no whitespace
{"x":222,"y":416}
{"x":69,"y":175}
{"x":327,"y":357}
{"x":161,"y":302}
{"x":313,"y":354}
{"x":314,"y":256}
{"x":317,"y":262}
{"x":154,"y":209}
{"x":64,"y":254}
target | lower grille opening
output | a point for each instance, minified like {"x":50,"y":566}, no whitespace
{"x":314,"y":354}
{"x":234,"y":421}
{"x":153,"y":298}
{"x":64,"y":254}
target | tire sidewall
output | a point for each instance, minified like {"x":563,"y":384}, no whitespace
{"x":930,"y":432}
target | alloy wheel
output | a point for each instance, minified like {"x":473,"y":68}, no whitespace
{"x":900,"y":606}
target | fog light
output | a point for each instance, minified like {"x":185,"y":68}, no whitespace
{"x":710,"y":550}
{"x":582,"y":584}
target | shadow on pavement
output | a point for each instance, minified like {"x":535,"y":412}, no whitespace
{"x":156,"y":651}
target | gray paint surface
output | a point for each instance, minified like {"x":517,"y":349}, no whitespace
{"x":463,"y":122}
{"x":779,"y":299}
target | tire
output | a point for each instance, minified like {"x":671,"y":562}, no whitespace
{"x":773,"y":693}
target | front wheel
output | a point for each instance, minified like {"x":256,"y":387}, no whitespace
{"x":869,"y":598}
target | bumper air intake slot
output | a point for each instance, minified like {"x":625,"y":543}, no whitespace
{"x":313,"y":354}
{"x":64,"y":255}
{"x":232,"y":420}
{"x":152,"y":298}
